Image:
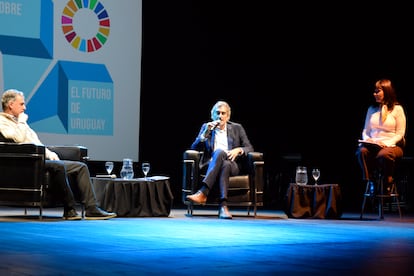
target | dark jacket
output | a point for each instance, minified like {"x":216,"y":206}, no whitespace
{"x":236,"y":137}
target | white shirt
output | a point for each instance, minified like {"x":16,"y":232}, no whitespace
{"x":220,"y":139}
{"x":389,"y":132}
{"x":20,"y":132}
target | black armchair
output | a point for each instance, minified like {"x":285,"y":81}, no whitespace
{"x":24,"y":180}
{"x":245,"y":190}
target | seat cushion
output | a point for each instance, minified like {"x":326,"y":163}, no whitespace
{"x":239,"y":181}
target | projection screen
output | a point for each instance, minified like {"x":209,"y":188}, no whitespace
{"x":79,"y":64}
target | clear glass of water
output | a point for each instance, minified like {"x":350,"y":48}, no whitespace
{"x":316,"y":173}
{"x":109,"y":166}
{"x":145,"y":166}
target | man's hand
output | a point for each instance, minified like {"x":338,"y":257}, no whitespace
{"x":232,"y":154}
{"x":53,"y":156}
{"x":22,"y":118}
{"x":212,"y":125}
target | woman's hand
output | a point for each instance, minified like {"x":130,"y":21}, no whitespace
{"x":381,"y":144}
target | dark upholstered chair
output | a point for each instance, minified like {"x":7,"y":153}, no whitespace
{"x":245,"y":190}
{"x":24,"y":180}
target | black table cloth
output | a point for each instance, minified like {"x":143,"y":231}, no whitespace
{"x":313,"y":201}
{"x":137,"y":197}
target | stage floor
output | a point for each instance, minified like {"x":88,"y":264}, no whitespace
{"x":270,"y":244}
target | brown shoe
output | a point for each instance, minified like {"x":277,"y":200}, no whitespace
{"x":224,"y":213}
{"x":199,"y":198}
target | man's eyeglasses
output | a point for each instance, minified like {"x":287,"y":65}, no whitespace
{"x":377,"y":90}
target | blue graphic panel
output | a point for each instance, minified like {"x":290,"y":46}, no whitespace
{"x":90,"y":108}
{"x":26,"y":28}
{"x":75,"y":98}
{"x":23,"y":72}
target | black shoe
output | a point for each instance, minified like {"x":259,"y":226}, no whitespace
{"x":95,"y":213}
{"x":71,"y":214}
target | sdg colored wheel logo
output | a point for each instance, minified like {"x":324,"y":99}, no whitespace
{"x":85,"y":24}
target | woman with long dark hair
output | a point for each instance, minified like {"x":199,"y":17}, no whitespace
{"x":383,"y":135}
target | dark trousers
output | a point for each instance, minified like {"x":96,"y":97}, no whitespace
{"x":373,"y":158}
{"x":220,"y":168}
{"x":59,"y":183}
{"x":72,"y":175}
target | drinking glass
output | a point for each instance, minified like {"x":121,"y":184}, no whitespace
{"x":109,"y":166}
{"x":145,"y":166}
{"x":316,"y":173}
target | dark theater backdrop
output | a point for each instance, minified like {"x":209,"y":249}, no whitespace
{"x":298,"y":77}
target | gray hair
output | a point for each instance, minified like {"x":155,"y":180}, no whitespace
{"x":217,"y":105}
{"x":10,"y":96}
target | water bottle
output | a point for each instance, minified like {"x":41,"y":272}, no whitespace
{"x":301,"y":175}
{"x":127,"y":171}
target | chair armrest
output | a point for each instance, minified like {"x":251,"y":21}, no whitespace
{"x":70,"y":152}
{"x":255,"y":156}
{"x":188,"y":178}
{"x":192,"y":155}
{"x":17,"y":148}
{"x":259,"y":175}
{"x":256,"y":168}
{"x":22,"y":167}
{"x":191,"y":161}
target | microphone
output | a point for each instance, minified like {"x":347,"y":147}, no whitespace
{"x":216,"y":124}
{"x":208,"y":130}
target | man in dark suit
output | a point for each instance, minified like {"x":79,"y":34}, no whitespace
{"x":224,"y":144}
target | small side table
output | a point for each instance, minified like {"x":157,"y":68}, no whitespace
{"x":313,"y":201}
{"x":138,"y":197}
